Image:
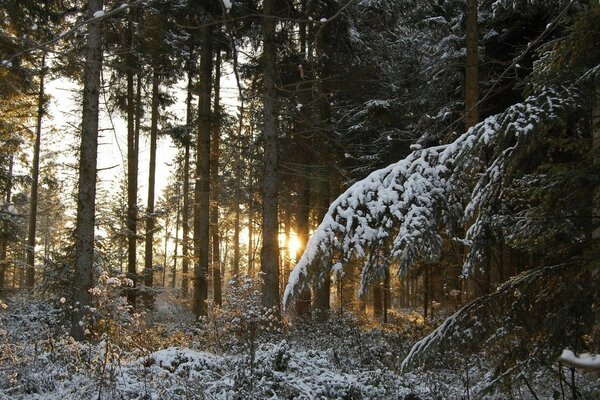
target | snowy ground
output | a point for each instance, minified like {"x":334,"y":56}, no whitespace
{"x":230,"y":359}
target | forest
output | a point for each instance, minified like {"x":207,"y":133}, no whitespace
{"x":299,"y":199}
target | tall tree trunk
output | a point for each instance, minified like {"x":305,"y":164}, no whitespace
{"x":132,"y":189}
{"x":35,"y":176}
{"x":237,"y":195}
{"x":471,"y":70}
{"x":86,"y":200}
{"x":377,"y":299}
{"x":4,"y":244}
{"x":323,"y":289}
{"x":185,"y":223}
{"x":596,"y":157}
{"x":250,"y":218}
{"x":150,"y":217}
{"x":202,"y":189}
{"x":426,"y":287}
{"x":303,"y":300}
{"x":175,"y":251}
{"x":386,"y":294}
{"x":270,"y":234}
{"x":286,"y":255}
{"x":214,"y":172}
{"x":166,"y":250}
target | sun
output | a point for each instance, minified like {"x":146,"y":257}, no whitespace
{"x":292,"y":244}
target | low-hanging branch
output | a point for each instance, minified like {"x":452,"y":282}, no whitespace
{"x":409,"y":203}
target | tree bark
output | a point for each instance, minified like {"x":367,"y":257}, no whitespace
{"x":132,"y":189}
{"x":303,"y":301}
{"x":176,"y":250}
{"x":270,"y":234}
{"x":86,"y":201}
{"x":214,"y":172}
{"x":35,"y":176}
{"x":237,"y":196}
{"x":323,"y":289}
{"x":250,"y":217}
{"x":471,"y":70}
{"x":596,"y":157}
{"x":202,"y":189}
{"x":185,"y":223}
{"x":150,"y":217}
{"x":4,"y":244}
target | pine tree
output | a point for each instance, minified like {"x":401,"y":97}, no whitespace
{"x":84,"y":229}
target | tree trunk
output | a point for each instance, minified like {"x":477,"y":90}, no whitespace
{"x":322,"y":291}
{"x":150,"y":217}
{"x":237,"y":195}
{"x":4,"y":244}
{"x":426,"y":285}
{"x":175,"y":251}
{"x":35,"y":175}
{"x":132,"y":189}
{"x":185,"y":223}
{"x":303,"y":300}
{"x":86,"y":200}
{"x":471,"y":70}
{"x":166,"y":249}
{"x":596,"y":158}
{"x":270,"y":234}
{"x":250,"y":218}
{"x":202,"y":189}
{"x":386,"y":295}
{"x":214,"y":172}
{"x":377,"y":299}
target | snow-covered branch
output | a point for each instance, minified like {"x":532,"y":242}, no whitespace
{"x":408,"y":203}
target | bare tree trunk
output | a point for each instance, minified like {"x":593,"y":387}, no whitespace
{"x":323,"y":289}
{"x":132,"y":189}
{"x":237,"y":195}
{"x":166,"y":249}
{"x":150,"y":217}
{"x":202,"y":189}
{"x":4,"y":245}
{"x":250,"y":220}
{"x":214,"y":172}
{"x":386,"y":295}
{"x":596,"y":159}
{"x":185,"y":224}
{"x":426,"y":286}
{"x":471,"y":75}
{"x":270,"y":234}
{"x":177,"y":224}
{"x":86,"y":201}
{"x":303,"y":300}
{"x":35,"y":176}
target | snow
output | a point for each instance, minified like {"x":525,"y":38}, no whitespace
{"x":584,"y":361}
{"x":99,"y":14}
{"x":323,"y":20}
{"x":227,"y":4}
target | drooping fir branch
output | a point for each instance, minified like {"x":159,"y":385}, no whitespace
{"x":552,"y":305}
{"x":411,"y":202}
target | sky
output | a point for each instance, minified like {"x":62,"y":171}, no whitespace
{"x":60,"y":135}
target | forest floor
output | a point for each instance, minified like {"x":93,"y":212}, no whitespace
{"x":235,"y":353}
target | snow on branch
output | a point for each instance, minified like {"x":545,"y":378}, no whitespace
{"x":407,"y":204}
{"x":585,"y":361}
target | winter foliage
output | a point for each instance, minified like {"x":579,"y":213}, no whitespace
{"x":434,"y":191}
